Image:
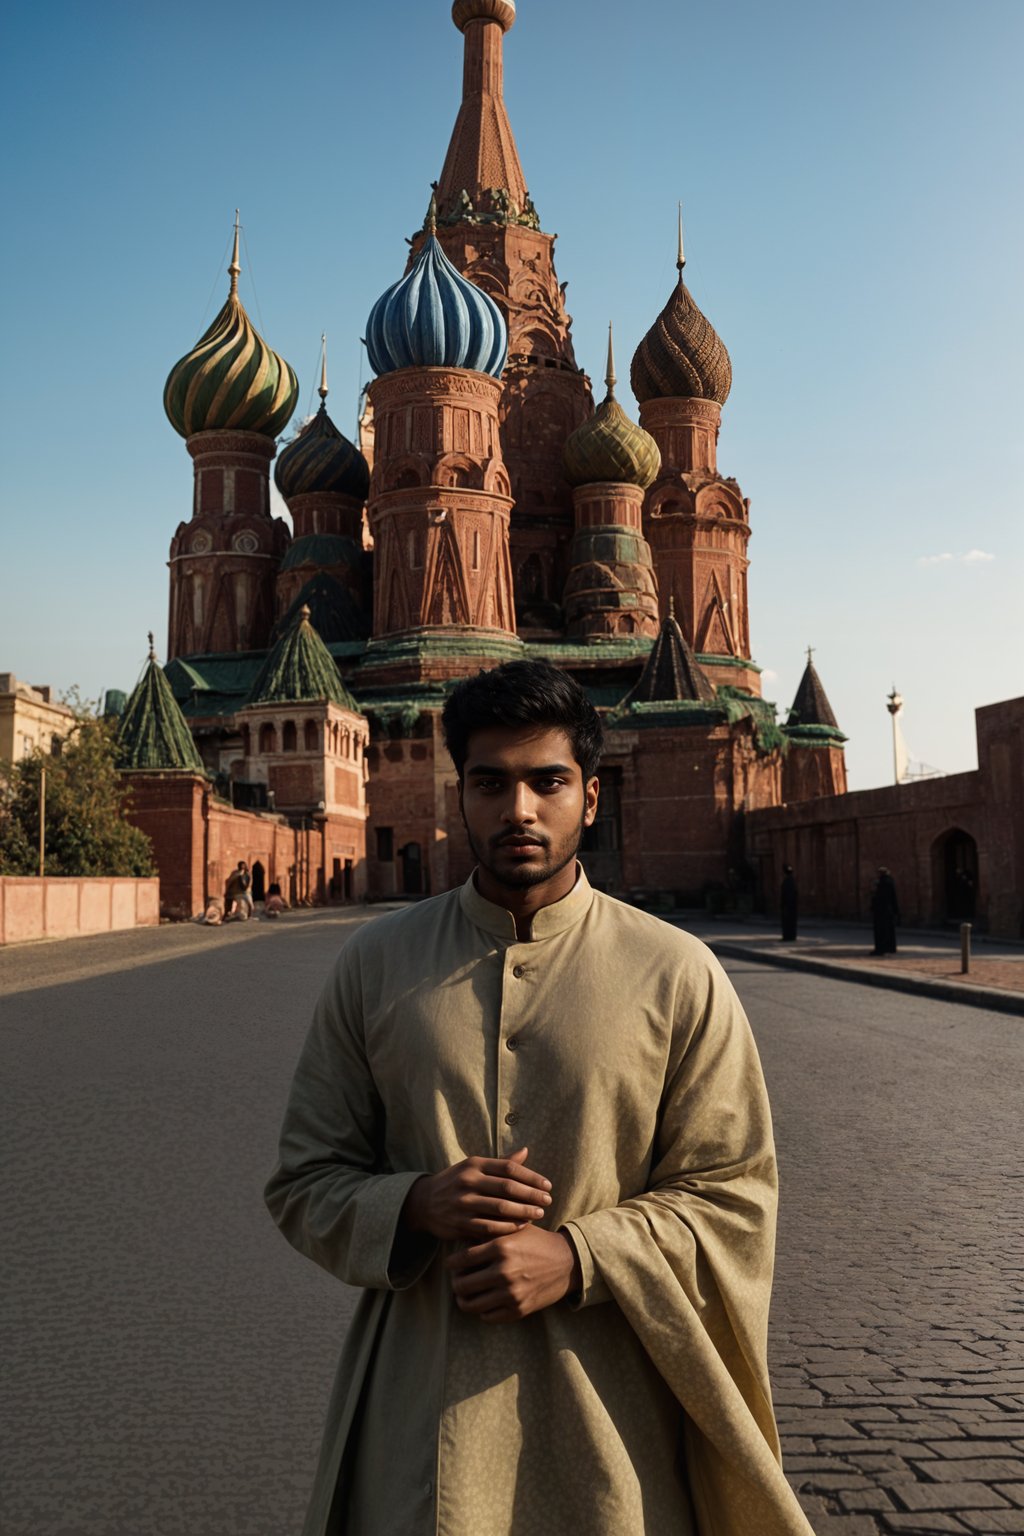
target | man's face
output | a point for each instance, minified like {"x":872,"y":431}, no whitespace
{"x":524,"y":803}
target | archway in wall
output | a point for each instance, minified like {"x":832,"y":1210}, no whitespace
{"x":259,"y":882}
{"x":955,"y":877}
{"x":412,"y":869}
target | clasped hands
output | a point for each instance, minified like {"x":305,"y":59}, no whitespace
{"x":510,"y":1266}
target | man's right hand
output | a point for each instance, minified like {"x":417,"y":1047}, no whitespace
{"x":481,"y":1197}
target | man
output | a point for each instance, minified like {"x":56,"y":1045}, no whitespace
{"x":885,"y":913}
{"x":238,"y":894}
{"x":531,"y":1122}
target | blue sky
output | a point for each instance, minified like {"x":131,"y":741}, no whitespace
{"x":850,"y":175}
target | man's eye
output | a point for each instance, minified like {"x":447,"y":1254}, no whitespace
{"x":550,"y":783}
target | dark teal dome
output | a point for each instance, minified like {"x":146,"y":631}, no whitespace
{"x":322,"y":459}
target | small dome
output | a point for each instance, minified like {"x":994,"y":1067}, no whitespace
{"x":322,"y":459}
{"x":610,"y":448}
{"x":682,"y":355}
{"x":231,"y":379}
{"x":501,"y":11}
{"x":435,"y":318}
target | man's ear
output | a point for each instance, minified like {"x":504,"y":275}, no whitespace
{"x":590,"y":792}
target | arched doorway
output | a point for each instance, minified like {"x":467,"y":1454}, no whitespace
{"x":259,"y":878}
{"x":412,"y":869}
{"x":955,"y":876}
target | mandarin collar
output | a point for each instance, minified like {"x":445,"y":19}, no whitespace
{"x":556,"y":918}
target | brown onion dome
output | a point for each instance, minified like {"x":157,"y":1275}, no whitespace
{"x":682,"y":355}
{"x":609,"y":448}
{"x":501,"y":11}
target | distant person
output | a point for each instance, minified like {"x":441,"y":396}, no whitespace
{"x":885,"y":913}
{"x":214,"y":914}
{"x":275,"y":903}
{"x":238,"y":894}
{"x":788,"y":904}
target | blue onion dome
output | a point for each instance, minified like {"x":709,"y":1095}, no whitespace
{"x":682,"y":355}
{"x":436,"y":318}
{"x":608,"y":447}
{"x":322,"y":459}
{"x":231,"y":379}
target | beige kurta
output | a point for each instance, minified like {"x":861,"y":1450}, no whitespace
{"x":614,"y":1047}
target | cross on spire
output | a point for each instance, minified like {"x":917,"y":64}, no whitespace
{"x":235,"y":267}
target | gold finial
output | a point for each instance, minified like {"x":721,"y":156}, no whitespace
{"x":305,"y":613}
{"x":609,"y":377}
{"x":432,"y":212}
{"x":234,"y":268}
{"x":152,"y":652}
{"x":681,"y":258}
{"x":322,"y":391}
{"x":672,"y":606}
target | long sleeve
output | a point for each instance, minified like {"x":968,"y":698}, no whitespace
{"x":332,"y":1194}
{"x":689,"y":1262}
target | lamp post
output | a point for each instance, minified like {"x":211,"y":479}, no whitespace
{"x":894,"y":704}
{"x":42,"y":819}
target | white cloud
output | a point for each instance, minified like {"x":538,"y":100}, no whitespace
{"x":972,"y":557}
{"x":769,"y":675}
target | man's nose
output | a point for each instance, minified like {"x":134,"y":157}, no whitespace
{"x":519,"y":809}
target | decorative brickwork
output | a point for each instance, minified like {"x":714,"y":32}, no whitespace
{"x":224,"y":562}
{"x":439,"y":504}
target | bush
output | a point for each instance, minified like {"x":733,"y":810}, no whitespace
{"x":86,"y":829}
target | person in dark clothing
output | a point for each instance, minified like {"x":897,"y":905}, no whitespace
{"x":885,"y":913}
{"x":787,"y":904}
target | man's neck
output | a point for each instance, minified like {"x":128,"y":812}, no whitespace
{"x":525,"y":902}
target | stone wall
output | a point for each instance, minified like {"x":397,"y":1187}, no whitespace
{"x":64,"y":907}
{"x":920,"y":831}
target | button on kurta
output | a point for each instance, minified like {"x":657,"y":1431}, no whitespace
{"x":512,"y":1117}
{"x":512,"y":1043}
{"x":519,"y":971}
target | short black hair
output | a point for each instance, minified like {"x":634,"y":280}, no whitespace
{"x":523,"y":693}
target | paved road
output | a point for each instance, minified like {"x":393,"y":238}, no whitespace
{"x":170,"y":1357}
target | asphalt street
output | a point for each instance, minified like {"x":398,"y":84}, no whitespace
{"x":168,"y":1357}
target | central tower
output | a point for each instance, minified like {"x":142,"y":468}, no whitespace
{"x":489,"y":229}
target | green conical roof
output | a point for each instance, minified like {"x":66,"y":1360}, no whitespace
{"x":300,"y":668}
{"x":153,"y":734}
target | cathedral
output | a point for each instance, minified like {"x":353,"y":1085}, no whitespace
{"x":489,"y":511}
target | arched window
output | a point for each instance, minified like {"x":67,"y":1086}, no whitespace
{"x":290,"y":737}
{"x":311,"y":736}
{"x":268,"y":738}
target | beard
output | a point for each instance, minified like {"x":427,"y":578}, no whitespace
{"x":519,"y":878}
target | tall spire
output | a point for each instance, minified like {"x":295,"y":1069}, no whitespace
{"x":482,"y":157}
{"x":681,"y":258}
{"x":322,"y":391}
{"x":235,"y":267}
{"x":609,"y":377}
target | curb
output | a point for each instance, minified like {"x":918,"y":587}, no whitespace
{"x":993,"y":998}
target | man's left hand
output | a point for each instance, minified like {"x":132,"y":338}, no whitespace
{"x":506,"y":1279}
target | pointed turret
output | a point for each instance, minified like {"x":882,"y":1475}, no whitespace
{"x":300,"y":669}
{"x":153,"y":736}
{"x":815,"y":764}
{"x":672,"y":674}
{"x":811,"y":711}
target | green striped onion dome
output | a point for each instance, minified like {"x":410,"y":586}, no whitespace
{"x":322,"y":459}
{"x":231,"y":380}
{"x":611,"y":448}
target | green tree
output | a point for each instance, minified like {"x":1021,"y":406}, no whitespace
{"x":87,"y":832}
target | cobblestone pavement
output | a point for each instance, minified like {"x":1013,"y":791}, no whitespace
{"x":169,"y":1357}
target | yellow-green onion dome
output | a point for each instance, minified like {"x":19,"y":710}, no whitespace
{"x":682,"y":355}
{"x":322,"y":459}
{"x":231,"y":379}
{"x":609,"y":448}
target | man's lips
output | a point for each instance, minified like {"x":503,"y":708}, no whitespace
{"x":519,"y":844}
